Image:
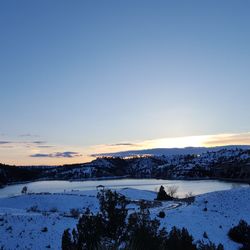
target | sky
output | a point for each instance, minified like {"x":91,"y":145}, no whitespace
{"x":83,"y":77}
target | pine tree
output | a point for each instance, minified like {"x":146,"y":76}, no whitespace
{"x":143,"y":233}
{"x":179,"y":240}
{"x":66,"y":240}
{"x":89,"y":231}
{"x":114,"y":212}
{"x":162,"y":195}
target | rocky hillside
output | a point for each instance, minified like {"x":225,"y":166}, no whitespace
{"x":225,"y":163}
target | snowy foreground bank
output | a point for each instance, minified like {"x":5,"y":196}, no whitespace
{"x":37,"y":221}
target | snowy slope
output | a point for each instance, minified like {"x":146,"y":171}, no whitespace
{"x":224,"y":210}
{"x":23,"y":219}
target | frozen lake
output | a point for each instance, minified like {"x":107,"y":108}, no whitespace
{"x":184,"y":186}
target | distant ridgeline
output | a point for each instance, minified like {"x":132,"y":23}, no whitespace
{"x":228,"y":163}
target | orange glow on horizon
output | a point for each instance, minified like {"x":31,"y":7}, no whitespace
{"x":21,"y":154}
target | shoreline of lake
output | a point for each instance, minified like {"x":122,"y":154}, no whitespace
{"x":197,"y":186}
{"x":231,"y":180}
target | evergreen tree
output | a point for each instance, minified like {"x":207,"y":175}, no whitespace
{"x":142,"y":232}
{"x":89,"y":231}
{"x":162,"y":195}
{"x":209,"y":246}
{"x":241,"y":234}
{"x":24,"y":190}
{"x":180,"y":240}
{"x":114,"y":212}
{"x":66,"y":240}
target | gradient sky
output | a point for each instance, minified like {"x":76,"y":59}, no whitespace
{"x":75,"y":74}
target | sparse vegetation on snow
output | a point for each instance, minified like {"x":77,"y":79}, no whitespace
{"x":23,"y":218}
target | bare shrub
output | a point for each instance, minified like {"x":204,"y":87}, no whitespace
{"x":53,"y":210}
{"x":44,"y":229}
{"x":189,"y":198}
{"x":172,"y":191}
{"x":189,"y":194}
{"x":74,"y":212}
{"x":33,"y":209}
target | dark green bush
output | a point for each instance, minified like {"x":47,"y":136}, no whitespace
{"x":161,"y":214}
{"x":241,"y":234}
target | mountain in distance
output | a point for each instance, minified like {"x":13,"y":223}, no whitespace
{"x":171,"y":151}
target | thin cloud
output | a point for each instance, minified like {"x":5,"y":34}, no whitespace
{"x":122,"y":144}
{"x":23,"y":142}
{"x":28,"y":135}
{"x":231,"y":139}
{"x":66,"y":154}
{"x":5,"y":142}
{"x":38,"y":142}
{"x":45,"y":146}
{"x":6,"y":146}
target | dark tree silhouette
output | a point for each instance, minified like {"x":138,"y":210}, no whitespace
{"x":66,"y":241}
{"x":24,"y":190}
{"x":241,"y":234}
{"x":162,"y":195}
{"x":142,"y":232}
{"x":114,"y":212}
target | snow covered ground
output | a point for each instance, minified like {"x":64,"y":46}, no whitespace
{"x":37,"y":221}
{"x":224,"y":210}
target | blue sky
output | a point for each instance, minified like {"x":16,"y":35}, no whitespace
{"x":75,"y":74}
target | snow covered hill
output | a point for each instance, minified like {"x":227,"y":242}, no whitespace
{"x":172,"y":151}
{"x":37,"y":221}
{"x":220,"y":162}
